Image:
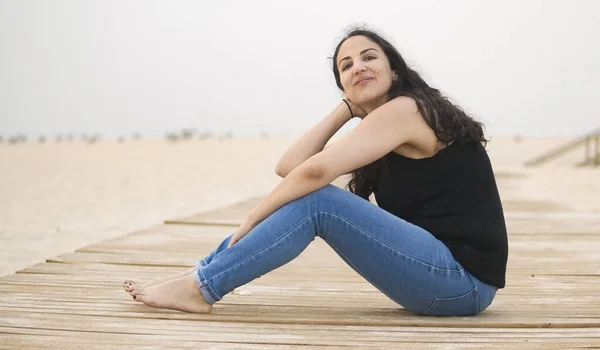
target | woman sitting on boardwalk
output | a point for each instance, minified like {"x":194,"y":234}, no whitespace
{"x":436,"y":243}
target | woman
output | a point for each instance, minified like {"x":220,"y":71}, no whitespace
{"x":436,"y":244}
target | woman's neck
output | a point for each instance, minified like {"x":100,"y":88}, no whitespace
{"x":374,"y":104}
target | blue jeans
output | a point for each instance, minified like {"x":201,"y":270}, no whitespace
{"x":402,"y":260}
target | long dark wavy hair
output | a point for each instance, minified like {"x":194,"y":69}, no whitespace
{"x":448,"y":121}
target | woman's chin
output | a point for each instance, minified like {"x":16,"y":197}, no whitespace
{"x":367,"y":103}
{"x":367,"y":97}
{"x":362,"y":100}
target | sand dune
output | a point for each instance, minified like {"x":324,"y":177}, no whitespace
{"x":58,"y":197}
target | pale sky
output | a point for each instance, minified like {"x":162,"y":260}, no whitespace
{"x":529,"y":67}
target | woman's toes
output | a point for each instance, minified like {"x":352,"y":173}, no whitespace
{"x":137,"y":295}
{"x":128,"y":282}
{"x":136,"y":291}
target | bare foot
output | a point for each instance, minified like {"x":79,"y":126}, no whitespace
{"x":179,"y":294}
{"x":129,"y":284}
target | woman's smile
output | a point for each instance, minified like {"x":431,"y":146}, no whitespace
{"x":363,"y":81}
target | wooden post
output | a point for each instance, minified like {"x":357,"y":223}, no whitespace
{"x":587,"y":158}
{"x":597,"y":152}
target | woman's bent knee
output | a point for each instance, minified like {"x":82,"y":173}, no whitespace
{"x":327,"y":192}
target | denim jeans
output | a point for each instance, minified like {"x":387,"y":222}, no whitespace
{"x":403,"y":261}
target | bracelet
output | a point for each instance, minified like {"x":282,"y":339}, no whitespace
{"x":350,"y":109}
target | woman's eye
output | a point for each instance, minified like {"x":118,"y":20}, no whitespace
{"x":366,"y":58}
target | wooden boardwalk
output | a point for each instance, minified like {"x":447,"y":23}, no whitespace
{"x":75,"y":300}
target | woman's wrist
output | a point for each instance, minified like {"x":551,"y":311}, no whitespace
{"x":349,"y":107}
{"x":343,"y":111}
{"x":251,"y":218}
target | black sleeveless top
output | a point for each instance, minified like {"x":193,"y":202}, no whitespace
{"x":454,"y":196}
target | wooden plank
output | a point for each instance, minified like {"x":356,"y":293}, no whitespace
{"x":138,"y":314}
{"x":202,"y":221}
{"x":317,"y":336}
{"x":226,"y":216}
{"x":535,"y":309}
{"x":58,"y":339}
{"x":533,"y":206}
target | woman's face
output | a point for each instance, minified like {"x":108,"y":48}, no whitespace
{"x":365,"y":72}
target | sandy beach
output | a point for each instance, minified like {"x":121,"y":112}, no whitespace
{"x":59,"y":197}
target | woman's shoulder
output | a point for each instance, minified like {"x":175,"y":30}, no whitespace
{"x":405,"y":104}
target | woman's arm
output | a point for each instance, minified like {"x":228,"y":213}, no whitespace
{"x":382,"y":131}
{"x":313,"y":141}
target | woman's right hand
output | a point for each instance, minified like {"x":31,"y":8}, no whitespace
{"x":357,"y":111}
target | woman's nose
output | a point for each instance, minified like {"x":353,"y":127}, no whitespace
{"x":359,"y":67}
